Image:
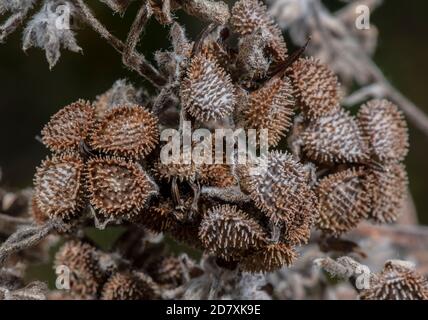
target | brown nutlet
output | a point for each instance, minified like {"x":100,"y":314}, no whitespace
{"x":58,"y":186}
{"x":316,"y":87}
{"x":130,"y":131}
{"x":385,"y":129}
{"x":117,"y":187}
{"x":228,"y":232}
{"x":69,"y":127}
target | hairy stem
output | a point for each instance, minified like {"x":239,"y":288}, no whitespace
{"x":137,"y":62}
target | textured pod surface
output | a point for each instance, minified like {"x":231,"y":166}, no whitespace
{"x":250,"y":15}
{"x":335,"y":138}
{"x":269,"y":258}
{"x":271,"y":108}
{"x":217,"y":175}
{"x":129,"y":286}
{"x":343,"y":201}
{"x":117,"y":187}
{"x":38,"y":216}
{"x":68,"y":127}
{"x":158,"y":217}
{"x":297,"y":230}
{"x":316,"y":87}
{"x":388,"y":191}
{"x":180,"y":171}
{"x":126,"y":131}
{"x":385,"y":129}
{"x":86,"y":277}
{"x":281,"y":189}
{"x":58,"y":186}
{"x":397,"y":282}
{"x":167,"y":270}
{"x":207,"y":92}
{"x":228,"y":232}
{"x":213,"y":11}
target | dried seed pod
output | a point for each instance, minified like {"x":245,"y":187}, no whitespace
{"x":158,"y":217}
{"x":281,"y":189}
{"x":252,"y":60}
{"x":58,"y":187}
{"x":118,"y":188}
{"x":167,"y":271}
{"x":343,"y":201}
{"x":215,"y":51}
{"x":68,"y":127}
{"x":180,"y":171}
{"x":129,"y":286}
{"x":269,"y":258}
{"x":335,"y":138}
{"x":271,"y":108}
{"x":250,"y":15}
{"x":38,"y":216}
{"x":316,"y":87}
{"x":397,"y":281}
{"x":217,"y":175}
{"x":130,"y":131}
{"x":388,"y":191}
{"x":228,"y":232}
{"x":385,"y":129}
{"x":207,"y":92}
{"x":297,"y":230}
{"x":86,"y":276}
{"x":213,"y":11}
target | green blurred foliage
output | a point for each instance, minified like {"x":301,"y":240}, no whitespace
{"x":30,"y":93}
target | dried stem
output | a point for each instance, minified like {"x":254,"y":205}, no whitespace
{"x":11,"y":24}
{"x":134,"y":34}
{"x":24,"y":238}
{"x":137,"y":62}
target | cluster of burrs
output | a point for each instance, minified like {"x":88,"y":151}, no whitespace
{"x":338,"y":169}
{"x":97,"y":274}
{"x":95,"y":163}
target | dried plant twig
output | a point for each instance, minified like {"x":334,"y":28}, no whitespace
{"x":25,"y":237}
{"x":139,"y":63}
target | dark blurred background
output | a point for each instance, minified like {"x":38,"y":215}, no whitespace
{"x":30,"y":93}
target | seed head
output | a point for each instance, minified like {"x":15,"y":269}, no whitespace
{"x":385,"y":129}
{"x":180,"y":171}
{"x":335,"y":138}
{"x":129,"y":286}
{"x":269,"y":258}
{"x":343,"y":201}
{"x":217,"y":175}
{"x":297,"y":230}
{"x":130,"y":131}
{"x":117,"y":187}
{"x":250,"y":15}
{"x":270,"y":107}
{"x":68,"y":127}
{"x":207,"y":92}
{"x":281,"y":190}
{"x":316,"y":87}
{"x":86,"y":276}
{"x":397,"y":282}
{"x":38,"y":216}
{"x":388,"y":191}
{"x":58,"y":186}
{"x":228,"y":232}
